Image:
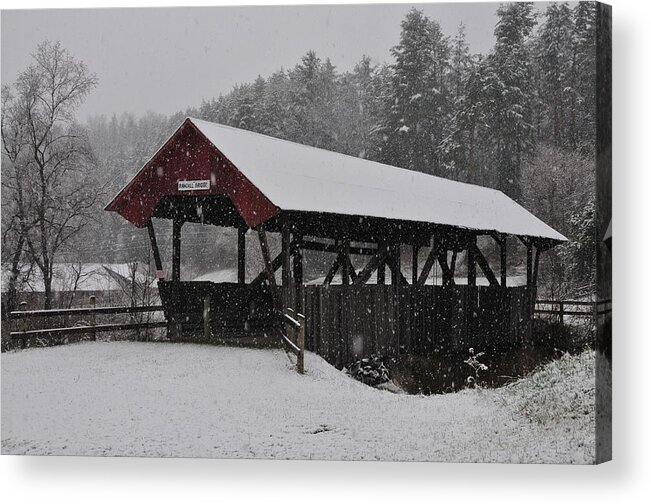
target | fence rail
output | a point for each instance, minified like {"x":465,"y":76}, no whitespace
{"x":295,"y":326}
{"x":100,"y":310}
{"x":563,"y":308}
{"x":86,"y":327}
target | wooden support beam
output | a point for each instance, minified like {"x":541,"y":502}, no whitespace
{"x":529,"y":263}
{"x":485,"y":267}
{"x":429,"y":262}
{"x":344,"y":314}
{"x":397,"y":278}
{"x":155,"y":251}
{"x":414,"y":264}
{"x":381,"y":272}
{"x":298,"y":271}
{"x":376,"y":261}
{"x":334,"y":248}
{"x":471,"y":261}
{"x":333,"y":270}
{"x":536,"y":263}
{"x":269,"y":269}
{"x":498,"y":237}
{"x":275,"y":265}
{"x":176,"y":249}
{"x":241,"y":255}
{"x":502,"y":244}
{"x":286,"y":271}
{"x":345,"y":262}
{"x":394,"y":264}
{"x":445,"y":269}
{"x":453,"y":266}
{"x":351,"y":270}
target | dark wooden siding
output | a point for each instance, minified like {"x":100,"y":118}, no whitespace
{"x":347,"y":322}
{"x":234,"y":308}
{"x":388,"y":320}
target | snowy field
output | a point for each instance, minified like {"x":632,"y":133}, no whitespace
{"x":185,"y":400}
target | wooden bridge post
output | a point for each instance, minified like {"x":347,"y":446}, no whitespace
{"x":344,"y":348}
{"x":176,"y":249}
{"x":23,"y":340}
{"x":414,"y":265}
{"x":93,"y":305}
{"x":471,"y":261}
{"x":300,"y":358}
{"x":380,"y":277}
{"x":536,"y":263}
{"x":287,"y":296}
{"x":529,"y":263}
{"x":269,"y":268}
{"x":206,"y":318}
{"x":154,"y":248}
{"x":503,"y":268}
{"x":241,"y":255}
{"x":395,"y":264}
{"x":298,"y":271}
{"x":345,"y":261}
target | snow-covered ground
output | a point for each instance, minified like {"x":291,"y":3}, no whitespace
{"x":186,"y":400}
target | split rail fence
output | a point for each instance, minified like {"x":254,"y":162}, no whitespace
{"x":560,"y":310}
{"x":23,"y":322}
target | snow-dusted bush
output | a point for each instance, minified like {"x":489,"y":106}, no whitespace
{"x":370,"y":371}
{"x":476,"y":366}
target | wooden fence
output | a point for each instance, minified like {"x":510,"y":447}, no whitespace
{"x":561,"y":310}
{"x":24,"y":321}
{"x":293,"y":337}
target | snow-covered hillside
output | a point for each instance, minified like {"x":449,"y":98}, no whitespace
{"x":161,"y":399}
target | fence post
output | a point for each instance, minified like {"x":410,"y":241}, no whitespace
{"x":595,"y":314}
{"x":206,"y":317}
{"x":23,"y":340}
{"x":93,"y":302}
{"x":562,"y":313}
{"x":300,"y":358}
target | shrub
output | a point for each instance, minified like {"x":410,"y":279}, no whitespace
{"x":370,"y":371}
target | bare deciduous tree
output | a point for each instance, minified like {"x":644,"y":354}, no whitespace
{"x":51,"y":180}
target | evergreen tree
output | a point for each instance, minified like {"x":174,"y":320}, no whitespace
{"x":420,"y":100}
{"x":556,"y":75}
{"x":277,"y":106}
{"x":585,"y":48}
{"x":502,"y":98}
{"x":312,"y":85}
{"x":359,"y":108}
{"x":456,"y":148}
{"x":461,"y":62}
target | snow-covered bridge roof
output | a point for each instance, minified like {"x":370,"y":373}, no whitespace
{"x":265,"y":176}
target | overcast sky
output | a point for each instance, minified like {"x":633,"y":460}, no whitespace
{"x":166,"y":59}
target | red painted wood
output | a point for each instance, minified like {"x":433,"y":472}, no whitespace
{"x":189,"y":155}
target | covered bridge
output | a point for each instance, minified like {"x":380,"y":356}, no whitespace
{"x":321,"y":200}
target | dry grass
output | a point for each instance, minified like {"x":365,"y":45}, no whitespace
{"x":560,"y":392}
